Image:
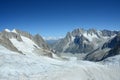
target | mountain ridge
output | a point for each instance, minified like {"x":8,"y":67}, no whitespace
{"x":96,"y":44}
{"x":16,"y":39}
{"x":80,"y":38}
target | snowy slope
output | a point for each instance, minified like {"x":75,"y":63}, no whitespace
{"x":114,"y":60}
{"x":90,"y":37}
{"x":14,"y":66}
{"x":26,"y":46}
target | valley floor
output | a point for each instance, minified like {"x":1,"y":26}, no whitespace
{"x":14,"y":66}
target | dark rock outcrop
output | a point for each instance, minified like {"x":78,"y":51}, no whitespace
{"x":40,"y":42}
{"x":7,"y":43}
{"x":10,"y":35}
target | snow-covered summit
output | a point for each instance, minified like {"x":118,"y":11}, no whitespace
{"x":7,"y":30}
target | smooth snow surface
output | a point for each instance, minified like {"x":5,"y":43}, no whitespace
{"x":26,"y":46}
{"x":14,"y":66}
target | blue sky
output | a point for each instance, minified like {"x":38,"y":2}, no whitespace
{"x":57,"y":17}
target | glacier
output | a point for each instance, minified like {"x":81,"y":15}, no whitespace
{"x":15,"y":66}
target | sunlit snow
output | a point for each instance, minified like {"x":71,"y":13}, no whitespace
{"x":26,"y":45}
{"x":14,"y":66}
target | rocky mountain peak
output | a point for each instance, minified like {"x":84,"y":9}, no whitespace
{"x":77,"y":31}
{"x":81,"y":40}
{"x":69,"y":37}
{"x":92,"y":31}
{"x":40,"y":42}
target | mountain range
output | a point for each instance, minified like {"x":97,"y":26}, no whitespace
{"x":24,"y":56}
{"x":96,"y":44}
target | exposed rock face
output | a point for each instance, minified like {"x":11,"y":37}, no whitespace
{"x":97,"y":55}
{"x":110,"y":48}
{"x":83,"y":41}
{"x":7,"y":43}
{"x":23,"y":33}
{"x":10,"y":35}
{"x":79,"y":45}
{"x":109,"y":33}
{"x":63,"y":42}
{"x":40,"y":42}
{"x":114,"y":44}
